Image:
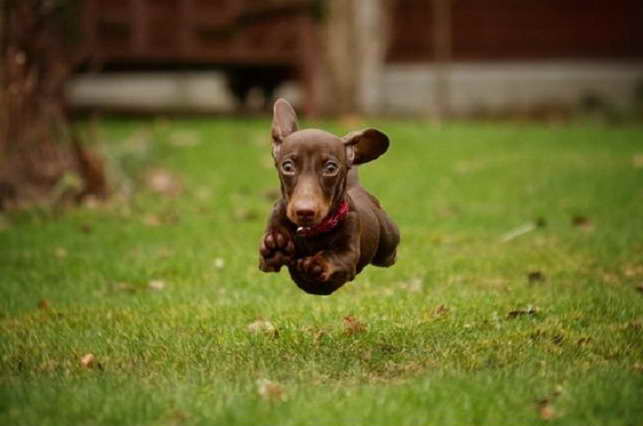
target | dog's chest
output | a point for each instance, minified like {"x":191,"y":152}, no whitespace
{"x":309,"y":246}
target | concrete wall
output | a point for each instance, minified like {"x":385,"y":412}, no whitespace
{"x":403,"y":89}
{"x":502,"y":86}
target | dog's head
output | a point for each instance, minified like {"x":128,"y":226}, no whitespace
{"x":313,"y":164}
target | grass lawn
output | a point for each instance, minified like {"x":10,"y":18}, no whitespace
{"x":465,"y":329}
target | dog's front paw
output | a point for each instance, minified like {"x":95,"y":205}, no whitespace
{"x":277,"y":249}
{"x":315,"y":268}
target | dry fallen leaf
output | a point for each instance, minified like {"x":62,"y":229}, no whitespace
{"x":441,"y":310}
{"x":545,"y":409}
{"x":517,"y":232}
{"x":163,"y":182}
{"x":156,"y":285}
{"x":531,"y":310}
{"x":43,"y":304}
{"x":632,"y":271}
{"x":152,"y":220}
{"x":582,"y":222}
{"x":413,"y":285}
{"x":123,"y":286}
{"x":535,"y":276}
{"x":263,"y":327}
{"x":353,"y":326}
{"x":270,"y":391}
{"x":87,"y":360}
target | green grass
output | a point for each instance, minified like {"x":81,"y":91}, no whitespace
{"x":184,"y":355}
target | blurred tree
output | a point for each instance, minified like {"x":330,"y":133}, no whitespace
{"x":356,"y":39}
{"x":40,"y":159}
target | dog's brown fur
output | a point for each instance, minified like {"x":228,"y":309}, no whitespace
{"x":317,"y":173}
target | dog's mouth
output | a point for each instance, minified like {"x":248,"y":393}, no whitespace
{"x":328,"y":223}
{"x":306,"y":222}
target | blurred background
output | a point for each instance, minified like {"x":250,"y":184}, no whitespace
{"x":402,"y":57}
{"x":432,"y":59}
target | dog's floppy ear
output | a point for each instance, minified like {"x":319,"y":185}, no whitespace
{"x":284,"y":122}
{"x":365,"y":145}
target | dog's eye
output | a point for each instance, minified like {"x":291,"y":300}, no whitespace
{"x":330,"y":169}
{"x":288,"y":167}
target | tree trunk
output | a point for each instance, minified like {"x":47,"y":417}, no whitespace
{"x":37,"y":149}
{"x":441,"y":35}
{"x":356,"y":42}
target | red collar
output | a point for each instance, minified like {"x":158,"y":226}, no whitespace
{"x":326,"y":225}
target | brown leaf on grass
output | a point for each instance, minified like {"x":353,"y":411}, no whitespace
{"x":166,"y":218}
{"x":441,"y":311}
{"x":164,"y":182}
{"x":413,"y":285}
{"x":88,"y":360}
{"x":86,"y":228}
{"x":271,"y":391}
{"x":123,"y":286}
{"x":545,"y":409}
{"x":156,"y":285}
{"x":535,"y":276}
{"x":582,"y":222}
{"x":152,"y":220}
{"x":177,"y":418}
{"x":531,"y":310}
{"x":263,"y":327}
{"x":353,"y":326}
{"x":637,"y":324}
{"x":317,"y":333}
{"x":632,"y":271}
{"x":43,"y":304}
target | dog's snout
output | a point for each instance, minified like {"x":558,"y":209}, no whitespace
{"x":305,"y":212}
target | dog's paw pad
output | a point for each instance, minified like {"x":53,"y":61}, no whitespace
{"x":276,"y":250}
{"x":315,"y":267}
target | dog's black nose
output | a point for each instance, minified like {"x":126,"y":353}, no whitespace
{"x":305,"y":214}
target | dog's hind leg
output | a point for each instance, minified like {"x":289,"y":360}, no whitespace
{"x":389,"y":239}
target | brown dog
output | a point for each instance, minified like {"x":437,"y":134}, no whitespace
{"x":326,"y":228}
